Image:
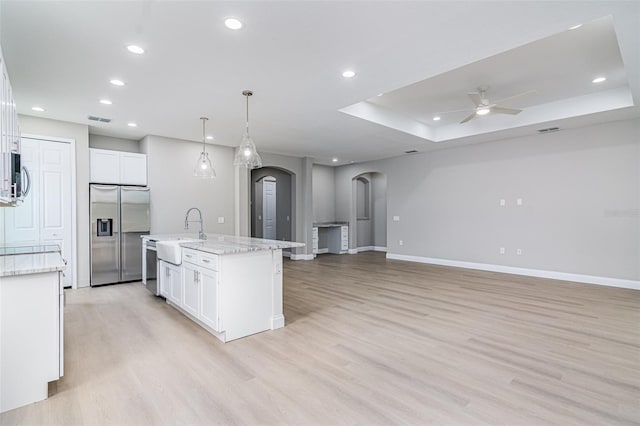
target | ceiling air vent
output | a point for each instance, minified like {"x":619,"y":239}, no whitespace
{"x":549,"y":130}
{"x":100,"y":119}
{"x":412,"y":151}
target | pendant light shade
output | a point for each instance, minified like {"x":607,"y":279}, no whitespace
{"x":204,"y":168}
{"x":247,"y":154}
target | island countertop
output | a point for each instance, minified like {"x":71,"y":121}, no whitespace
{"x":30,"y":263}
{"x":232,"y":244}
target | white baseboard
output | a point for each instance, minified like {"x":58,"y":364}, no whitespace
{"x":277,"y":321}
{"x":302,"y":256}
{"x":322,"y":251}
{"x":371,"y":248}
{"x":539,"y":273}
{"x":352,"y":251}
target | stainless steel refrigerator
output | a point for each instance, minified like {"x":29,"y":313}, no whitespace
{"x":119,"y":216}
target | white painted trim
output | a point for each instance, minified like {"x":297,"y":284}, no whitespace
{"x":277,"y":321}
{"x":353,"y":251}
{"x":322,"y":251}
{"x":302,"y":256}
{"x":369,"y":248}
{"x":539,"y":273}
{"x":47,"y":138}
{"x":74,"y":199}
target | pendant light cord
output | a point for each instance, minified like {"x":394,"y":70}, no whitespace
{"x":247,"y":96}
{"x":204,"y":120}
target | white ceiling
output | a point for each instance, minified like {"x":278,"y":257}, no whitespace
{"x":425,"y":57}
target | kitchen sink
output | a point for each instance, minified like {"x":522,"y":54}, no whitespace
{"x":170,"y":251}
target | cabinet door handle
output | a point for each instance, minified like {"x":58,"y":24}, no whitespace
{"x":167,"y":272}
{"x":206,"y":260}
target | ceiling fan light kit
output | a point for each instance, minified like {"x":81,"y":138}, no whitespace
{"x":485,"y":107}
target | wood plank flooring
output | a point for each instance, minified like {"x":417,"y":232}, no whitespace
{"x":367,"y":341}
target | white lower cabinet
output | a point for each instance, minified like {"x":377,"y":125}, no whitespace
{"x":201,"y":292}
{"x":191,"y":289}
{"x":170,"y":282}
{"x":210,"y":299}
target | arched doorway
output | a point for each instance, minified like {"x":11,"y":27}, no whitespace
{"x":369,"y":211}
{"x":272,"y":198}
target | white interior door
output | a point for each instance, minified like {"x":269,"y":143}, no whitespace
{"x":269,"y":209}
{"x":45,"y":216}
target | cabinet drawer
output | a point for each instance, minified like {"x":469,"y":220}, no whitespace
{"x":189,"y":255}
{"x":209,"y":261}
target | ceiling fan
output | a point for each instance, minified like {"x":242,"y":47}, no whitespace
{"x":483,"y":106}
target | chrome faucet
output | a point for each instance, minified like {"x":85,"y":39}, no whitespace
{"x":201,"y":234}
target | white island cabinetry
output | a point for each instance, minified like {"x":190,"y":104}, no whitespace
{"x":231,"y":286}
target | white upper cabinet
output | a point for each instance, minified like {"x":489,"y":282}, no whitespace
{"x":116,"y":167}
{"x":133,"y":168}
{"x":11,"y":190}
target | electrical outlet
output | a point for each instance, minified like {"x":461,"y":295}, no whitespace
{"x":396,"y":218}
{"x":502,"y":250}
{"x":401,"y":242}
{"x":221,"y":219}
{"x":519,"y":252}
{"x":503,"y":202}
{"x":519,"y":201}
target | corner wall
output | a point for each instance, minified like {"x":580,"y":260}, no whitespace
{"x":174,"y":188}
{"x":581,"y":202}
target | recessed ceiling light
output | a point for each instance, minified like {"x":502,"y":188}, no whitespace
{"x":233,"y":23}
{"x":210,"y":137}
{"x":117,"y":82}
{"x":335,"y":160}
{"x":598,"y":79}
{"x":348,"y":74}
{"x":483,"y":111}
{"x":436,"y":118}
{"x":135,"y":49}
{"x":37,"y":108}
{"x":132,"y":124}
{"x":575,"y":27}
{"x":105,"y":102}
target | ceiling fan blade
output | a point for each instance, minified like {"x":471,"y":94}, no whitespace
{"x":502,"y":110}
{"x":476,"y":98}
{"x":528,"y":92}
{"x":453,"y":110}
{"x":470,"y":117}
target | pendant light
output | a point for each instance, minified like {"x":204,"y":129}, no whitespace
{"x":247,"y":154}
{"x":204,"y":168}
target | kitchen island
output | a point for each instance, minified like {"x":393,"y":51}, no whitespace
{"x":229,"y":285}
{"x":31,"y":323}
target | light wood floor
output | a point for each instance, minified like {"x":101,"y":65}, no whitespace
{"x":367,"y":341}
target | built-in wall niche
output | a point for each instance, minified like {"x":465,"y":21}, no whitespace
{"x":363,"y":198}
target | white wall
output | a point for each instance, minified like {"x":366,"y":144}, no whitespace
{"x":324,"y":190}
{"x":174,"y":188}
{"x":80,"y":133}
{"x":114,"y":144}
{"x":580,"y":191}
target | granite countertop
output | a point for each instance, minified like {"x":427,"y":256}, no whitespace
{"x":171,"y":237}
{"x":329,"y":224}
{"x":30,"y":263}
{"x":231,"y":244}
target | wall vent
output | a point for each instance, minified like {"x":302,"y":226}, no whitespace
{"x":411,"y":151}
{"x":100,"y":119}
{"x":549,"y":130}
